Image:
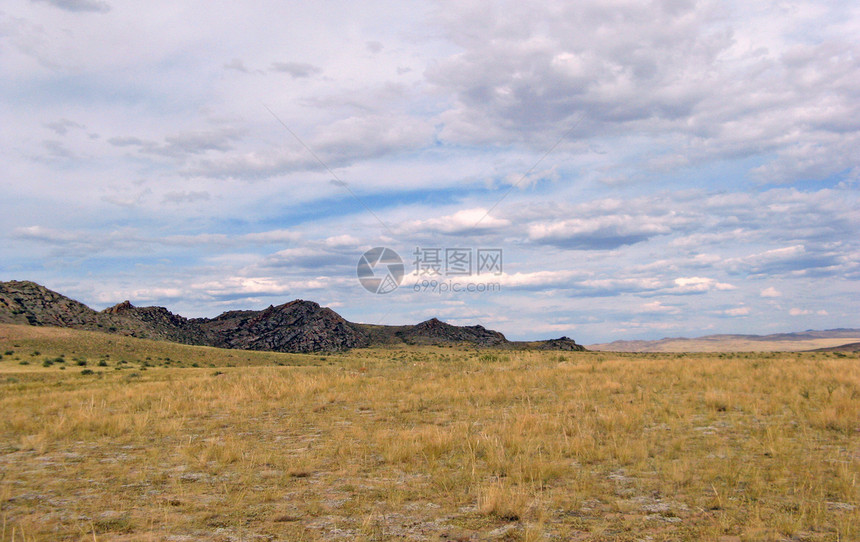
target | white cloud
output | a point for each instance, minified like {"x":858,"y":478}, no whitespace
{"x":345,"y":240}
{"x":523,"y":68}
{"x":771,"y":292}
{"x":806,"y":312}
{"x":792,"y":260}
{"x":90,"y":242}
{"x":657,"y":307}
{"x":537,"y":279}
{"x":186,"y":196}
{"x":466,"y":220}
{"x":272,"y":236}
{"x":699,"y":285}
{"x":605,"y":232}
{"x":232,"y":286}
{"x":336,"y":145}
{"x":709,"y":148}
{"x":616,"y":286}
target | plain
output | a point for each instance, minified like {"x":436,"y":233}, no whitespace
{"x":114,"y":439}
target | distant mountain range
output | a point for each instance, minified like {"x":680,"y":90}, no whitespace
{"x":297,"y":326}
{"x":845,"y":340}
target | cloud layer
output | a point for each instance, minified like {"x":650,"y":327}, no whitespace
{"x":647,"y":169}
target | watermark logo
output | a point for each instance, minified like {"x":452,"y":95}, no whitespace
{"x":437,"y":270}
{"x":457,"y":262}
{"x":380,"y":270}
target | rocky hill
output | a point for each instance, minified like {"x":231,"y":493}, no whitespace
{"x":562,"y":343}
{"x":436,"y":332}
{"x":297,"y":326}
{"x":23,"y":302}
{"x":154,"y":323}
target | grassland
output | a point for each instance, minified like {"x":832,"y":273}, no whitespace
{"x":113,"y":439}
{"x":728,"y":344}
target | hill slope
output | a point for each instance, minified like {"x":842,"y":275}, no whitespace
{"x":297,"y":326}
{"x":850,"y":347}
{"x":23,"y":302}
{"x":778,"y":342}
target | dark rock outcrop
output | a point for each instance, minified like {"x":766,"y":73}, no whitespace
{"x":562,"y":343}
{"x":297,"y":326}
{"x":25,"y":302}
{"x":434,"y":331}
{"x":155,"y":323}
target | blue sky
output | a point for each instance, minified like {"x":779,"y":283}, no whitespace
{"x":649,"y":169}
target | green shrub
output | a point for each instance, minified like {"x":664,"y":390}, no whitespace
{"x":87,"y":372}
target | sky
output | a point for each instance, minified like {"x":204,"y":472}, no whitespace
{"x":639,"y":169}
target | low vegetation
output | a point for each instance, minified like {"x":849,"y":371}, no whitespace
{"x":147,"y":441}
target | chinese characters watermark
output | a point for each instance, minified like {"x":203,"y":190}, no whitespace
{"x":457,"y":262}
{"x":437,"y":269}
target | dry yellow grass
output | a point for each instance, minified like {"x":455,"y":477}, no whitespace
{"x":733,"y":344}
{"x":426,"y":444}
